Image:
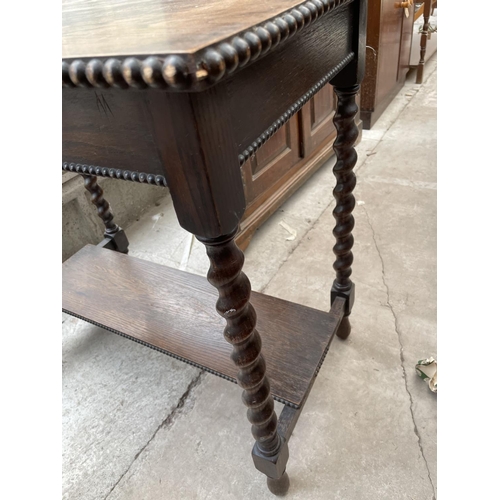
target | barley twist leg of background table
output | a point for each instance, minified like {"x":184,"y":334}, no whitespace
{"x":114,"y":236}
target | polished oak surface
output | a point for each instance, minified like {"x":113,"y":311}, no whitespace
{"x":143,"y":27}
{"x":173,"y":311}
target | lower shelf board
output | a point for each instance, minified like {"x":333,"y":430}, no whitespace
{"x":174,"y":312}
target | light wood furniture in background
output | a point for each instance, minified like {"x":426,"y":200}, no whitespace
{"x":425,"y":9}
{"x":388,"y":45}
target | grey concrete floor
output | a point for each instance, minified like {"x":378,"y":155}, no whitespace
{"x":140,"y":425}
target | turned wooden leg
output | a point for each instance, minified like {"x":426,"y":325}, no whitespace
{"x":423,"y":41}
{"x":114,"y":236}
{"x":270,"y":452}
{"x":347,"y":133}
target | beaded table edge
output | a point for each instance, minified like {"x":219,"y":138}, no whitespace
{"x":179,"y":72}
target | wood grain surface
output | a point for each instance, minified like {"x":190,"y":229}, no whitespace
{"x":139,"y":27}
{"x":174,"y":311}
{"x":260,"y":93}
{"x":110,"y":129}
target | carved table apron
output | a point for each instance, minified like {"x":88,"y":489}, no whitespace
{"x":182,"y":97}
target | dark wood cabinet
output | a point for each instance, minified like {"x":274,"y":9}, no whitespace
{"x":287,"y":160}
{"x":388,"y":47}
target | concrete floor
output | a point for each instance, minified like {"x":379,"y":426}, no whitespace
{"x":140,"y":425}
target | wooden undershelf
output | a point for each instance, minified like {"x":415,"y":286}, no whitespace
{"x":174,"y":312}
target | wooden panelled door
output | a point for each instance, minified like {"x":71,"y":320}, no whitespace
{"x":293,"y":154}
{"x":318,"y":119}
{"x":287,"y":160}
{"x":389,"y":38}
{"x":297,"y":140}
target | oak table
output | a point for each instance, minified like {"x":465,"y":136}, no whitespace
{"x":181,"y":95}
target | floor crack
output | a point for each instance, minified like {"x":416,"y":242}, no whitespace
{"x":401,"y":352}
{"x":169,"y":420}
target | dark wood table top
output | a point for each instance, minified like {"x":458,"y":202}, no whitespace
{"x":176,"y":44}
{"x":142,"y":27}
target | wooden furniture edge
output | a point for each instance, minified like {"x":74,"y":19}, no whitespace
{"x":198,"y":71}
{"x":251,"y":149}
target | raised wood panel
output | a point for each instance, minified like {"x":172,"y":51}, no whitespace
{"x":322,"y":106}
{"x":323,"y":109}
{"x":279,"y":145}
{"x":270,"y":199}
{"x":317,"y":119}
{"x":272,"y":161}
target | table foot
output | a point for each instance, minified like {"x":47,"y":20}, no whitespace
{"x":344,"y":328}
{"x":279,"y":487}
